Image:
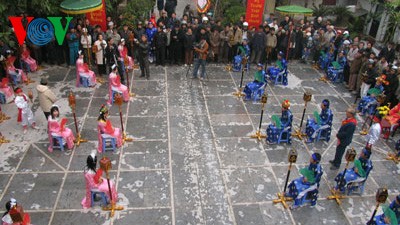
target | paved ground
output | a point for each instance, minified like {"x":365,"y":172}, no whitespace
{"x":192,"y":161}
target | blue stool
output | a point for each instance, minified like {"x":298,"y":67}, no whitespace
{"x":281,"y":78}
{"x":285,"y":135}
{"x":16,"y":78}
{"x":2,"y":98}
{"x":84,"y":81}
{"x":114,"y":92}
{"x":324,"y":134}
{"x":107,"y":139}
{"x":358,"y":187}
{"x":93,"y":193}
{"x":58,"y":142}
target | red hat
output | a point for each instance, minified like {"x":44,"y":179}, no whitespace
{"x":18,"y":90}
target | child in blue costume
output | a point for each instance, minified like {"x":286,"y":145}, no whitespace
{"x":243,"y":52}
{"x":255,"y":88}
{"x":307,"y":185}
{"x":369,"y":102}
{"x":359,"y":172}
{"x":281,"y":65}
{"x":390,"y":218}
{"x":285,"y":121}
{"x":323,"y":122}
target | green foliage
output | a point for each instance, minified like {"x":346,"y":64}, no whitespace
{"x":342,"y":14}
{"x":44,"y":7}
{"x":232,"y":14}
{"x":6,"y":37}
{"x":112,"y":8}
{"x":136,"y":10}
{"x":321,"y":10}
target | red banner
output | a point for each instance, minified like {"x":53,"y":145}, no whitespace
{"x":254,"y":12}
{"x":98,"y":17}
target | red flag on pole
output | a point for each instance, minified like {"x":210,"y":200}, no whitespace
{"x":98,"y":17}
{"x":254,"y":12}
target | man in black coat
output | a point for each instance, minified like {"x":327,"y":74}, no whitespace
{"x":388,"y":52}
{"x":176,"y":45}
{"x":344,"y":136}
{"x":143,"y":51}
{"x":160,"y":44}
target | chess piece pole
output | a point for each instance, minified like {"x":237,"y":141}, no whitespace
{"x":72,"y":104}
{"x":105,"y":165}
{"x":292,"y":158}
{"x":239,"y":93}
{"x":258,"y":134}
{"x":336,"y":193}
{"x":118,"y":101}
{"x":3,"y":140}
{"x":381,"y":196}
{"x":126,"y":63}
{"x":306,"y":97}
{"x":3,"y":116}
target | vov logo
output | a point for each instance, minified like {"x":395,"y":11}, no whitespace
{"x":40,"y":31}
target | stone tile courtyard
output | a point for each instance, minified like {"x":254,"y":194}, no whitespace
{"x":191,"y":161}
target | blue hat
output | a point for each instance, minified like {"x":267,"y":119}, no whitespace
{"x":260,"y":65}
{"x":366,"y":152}
{"x":281,"y":53}
{"x":316,"y":157}
{"x":326,"y":103}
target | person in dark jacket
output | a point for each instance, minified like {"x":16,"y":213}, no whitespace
{"x":143,"y":50}
{"x":176,"y":44}
{"x":188,"y":46}
{"x":388,"y":52}
{"x":258,"y":45}
{"x":160,"y":43}
{"x":344,"y":136}
{"x":391,"y":87}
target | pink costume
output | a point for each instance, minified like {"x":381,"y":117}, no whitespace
{"x":115,"y":85}
{"x":6,"y":90}
{"x":26,"y":57}
{"x":12,"y":71}
{"x":102,"y":186}
{"x":106,"y":128}
{"x":123,"y":52}
{"x":55,"y":129}
{"x":83,"y":70}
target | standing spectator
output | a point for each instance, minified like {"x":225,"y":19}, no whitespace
{"x":110,"y":30}
{"x":201,"y":50}
{"x":46,"y":97}
{"x":86,"y":42}
{"x":143,"y":50}
{"x":258,"y":45}
{"x":172,"y":21}
{"x":73,"y":45}
{"x":163,"y":19}
{"x":308,"y":45}
{"x":214,"y":42}
{"x":96,"y":33}
{"x":237,"y":40}
{"x":344,"y":136}
{"x":328,"y":37}
{"x":246,"y":33}
{"x":368,"y":79}
{"x":225,"y":46}
{"x":188,"y":46}
{"x":100,"y":53}
{"x":160,"y":43}
{"x":388,"y":52}
{"x":112,"y":55}
{"x":189,"y":12}
{"x":390,"y":89}
{"x":354,"y":71}
{"x":176,"y":45}
{"x":116,"y":37}
{"x":271,"y":44}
